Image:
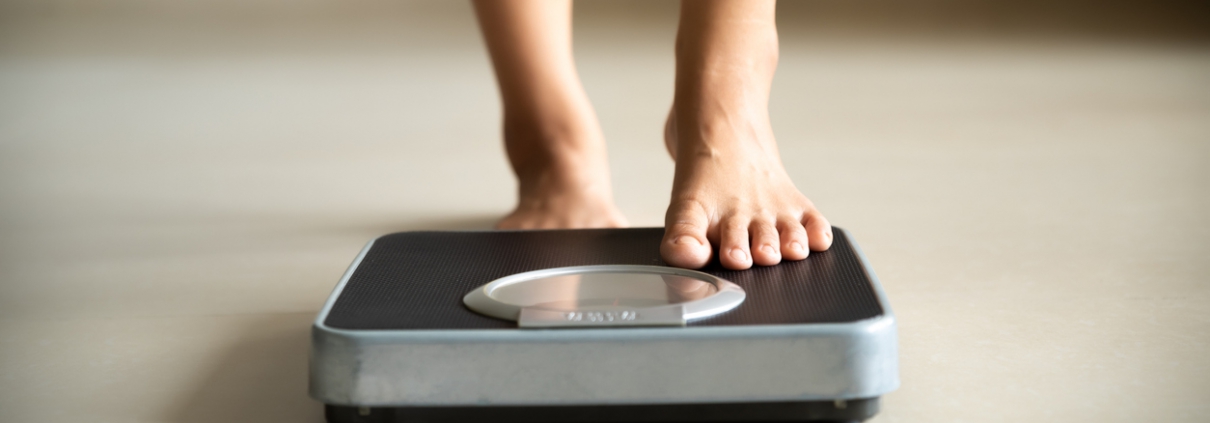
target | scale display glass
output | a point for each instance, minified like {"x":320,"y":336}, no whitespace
{"x":616,"y":295}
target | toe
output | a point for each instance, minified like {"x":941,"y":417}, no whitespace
{"x":793,"y":239}
{"x":733,"y":243}
{"x":819,"y":231}
{"x":685,"y":243}
{"x":766,"y":247}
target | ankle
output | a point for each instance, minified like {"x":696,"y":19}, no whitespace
{"x":558,"y":160}
{"x":713,"y":135}
{"x":561,"y":135}
{"x":560,"y":117}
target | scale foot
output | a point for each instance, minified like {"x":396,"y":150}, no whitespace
{"x":801,"y":411}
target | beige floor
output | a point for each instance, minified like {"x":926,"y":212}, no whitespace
{"x":180,"y":191}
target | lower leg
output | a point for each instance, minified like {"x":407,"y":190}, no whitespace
{"x":554,"y":142}
{"x":731,"y":193}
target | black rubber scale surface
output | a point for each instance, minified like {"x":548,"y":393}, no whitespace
{"x":416,"y":280}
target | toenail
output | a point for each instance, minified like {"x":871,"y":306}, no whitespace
{"x":796,"y":246}
{"x":768,"y":249}
{"x":739,"y":255}
{"x":688,"y":240}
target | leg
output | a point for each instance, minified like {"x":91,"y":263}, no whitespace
{"x":552,"y":136}
{"x":731,"y":192}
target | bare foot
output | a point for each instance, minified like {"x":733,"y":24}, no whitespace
{"x":562,"y":171}
{"x":553,"y":198}
{"x":739,"y":200}
{"x":552,"y":136}
{"x":731,"y":194}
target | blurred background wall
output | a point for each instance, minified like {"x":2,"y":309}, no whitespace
{"x":1171,"y":19}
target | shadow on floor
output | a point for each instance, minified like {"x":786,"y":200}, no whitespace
{"x":376,"y":227}
{"x":261,"y":378}
{"x":456,"y":223}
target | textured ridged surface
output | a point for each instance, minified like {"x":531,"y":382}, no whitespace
{"x":416,"y":280}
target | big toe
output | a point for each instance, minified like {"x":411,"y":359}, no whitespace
{"x":685,"y":244}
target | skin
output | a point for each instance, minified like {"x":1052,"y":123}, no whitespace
{"x":731,"y":195}
{"x":551,"y":133}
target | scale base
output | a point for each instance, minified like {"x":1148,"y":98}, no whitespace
{"x":798,"y":411}
{"x":396,"y":343}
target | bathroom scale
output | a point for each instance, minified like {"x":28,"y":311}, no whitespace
{"x":590,"y":325}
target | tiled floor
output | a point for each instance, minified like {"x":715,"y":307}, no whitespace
{"x":179,"y":193}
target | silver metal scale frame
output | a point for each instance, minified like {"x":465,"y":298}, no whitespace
{"x":401,"y":339}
